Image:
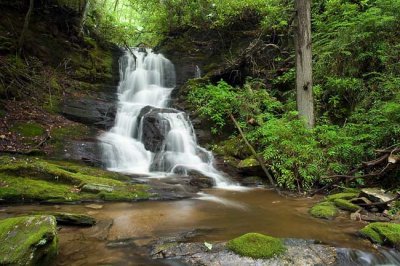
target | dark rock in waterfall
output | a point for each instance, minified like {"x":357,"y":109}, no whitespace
{"x":155,"y":128}
{"x":199,"y":180}
{"x":96,"y":112}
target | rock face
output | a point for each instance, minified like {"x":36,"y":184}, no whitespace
{"x":155,"y":128}
{"x":96,"y":112}
{"x":299,"y":252}
{"x":28,"y":240}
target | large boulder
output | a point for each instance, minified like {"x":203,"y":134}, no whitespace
{"x":28,"y":240}
{"x":89,"y":111}
{"x":155,"y":127}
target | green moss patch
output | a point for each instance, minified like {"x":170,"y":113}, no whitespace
{"x":325,"y":210}
{"x":346,"y":205}
{"x":26,"y":179}
{"x":29,"y":129}
{"x":383,"y":233}
{"x":28,"y":240}
{"x":346,"y":196}
{"x":256,"y":246}
{"x":249,"y":162}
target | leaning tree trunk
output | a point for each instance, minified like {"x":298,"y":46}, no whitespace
{"x":253,"y":151}
{"x":84,"y":10}
{"x":26,"y":25}
{"x":305,"y":102}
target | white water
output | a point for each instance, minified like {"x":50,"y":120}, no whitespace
{"x":149,"y":80}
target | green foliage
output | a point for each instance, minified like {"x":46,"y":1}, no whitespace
{"x":256,"y":246}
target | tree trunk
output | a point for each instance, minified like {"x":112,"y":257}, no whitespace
{"x":25,"y":28}
{"x":305,"y":102}
{"x":85,"y":8}
{"x":253,"y":151}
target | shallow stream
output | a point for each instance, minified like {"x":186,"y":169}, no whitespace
{"x":221,"y":214}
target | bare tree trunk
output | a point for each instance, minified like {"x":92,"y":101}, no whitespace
{"x":85,"y":8}
{"x":25,"y":28}
{"x":253,"y":151}
{"x":305,"y":101}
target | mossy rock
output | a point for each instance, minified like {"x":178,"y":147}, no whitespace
{"x":256,"y":246}
{"x":324,"y":210}
{"x":28,"y":129}
{"x":28,"y":240}
{"x":27,"y":179}
{"x":343,"y":195}
{"x":65,"y":218}
{"x":346,"y":205}
{"x":383,"y":233}
{"x":247,"y":163}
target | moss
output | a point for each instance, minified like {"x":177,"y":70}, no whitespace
{"x":325,"y":210}
{"x":383,"y":233}
{"x":346,"y":205}
{"x":343,"y":195}
{"x":256,"y":245}
{"x":28,"y":240}
{"x":69,"y":131}
{"x":29,"y":129}
{"x":233,"y":147}
{"x":249,"y":162}
{"x":26,"y":179}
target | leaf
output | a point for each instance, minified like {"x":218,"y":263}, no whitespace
{"x":208,"y":245}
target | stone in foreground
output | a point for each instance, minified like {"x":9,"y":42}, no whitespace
{"x":28,"y":240}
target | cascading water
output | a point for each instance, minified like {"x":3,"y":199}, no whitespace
{"x":149,"y":138}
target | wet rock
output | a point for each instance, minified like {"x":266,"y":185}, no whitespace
{"x":250,"y":167}
{"x":65,"y":218}
{"x":101,"y":230}
{"x":299,"y":252}
{"x":200,"y":181}
{"x":96,"y":188}
{"x":94,"y":206}
{"x":155,"y":128}
{"x":86,"y":150}
{"x":252,"y":181}
{"x":28,"y":240}
{"x":99,"y":113}
{"x":374,"y":217}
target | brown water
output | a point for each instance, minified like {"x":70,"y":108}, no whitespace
{"x":229,"y":213}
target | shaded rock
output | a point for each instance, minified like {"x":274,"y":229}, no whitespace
{"x":250,"y":166}
{"x":155,"y":128}
{"x":200,"y":181}
{"x":252,"y":181}
{"x":101,"y":230}
{"x":96,"y":188}
{"x":99,"y":113}
{"x":28,"y":240}
{"x":65,"y":218}
{"x":374,"y":217}
{"x":299,"y":252}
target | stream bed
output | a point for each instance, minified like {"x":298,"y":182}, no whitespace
{"x":124,"y":231}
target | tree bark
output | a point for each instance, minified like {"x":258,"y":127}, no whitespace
{"x":85,"y":8}
{"x":305,"y":101}
{"x":253,"y":151}
{"x":26,"y":26}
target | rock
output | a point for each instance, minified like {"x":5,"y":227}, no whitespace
{"x":343,"y":195}
{"x":257,"y":246}
{"x":361,"y":200}
{"x":372,"y":217}
{"x":99,"y":113}
{"x":73,"y":218}
{"x":94,"y":206}
{"x":377,"y":195}
{"x":28,"y":240}
{"x":96,"y":188}
{"x":324,"y":210}
{"x":155,"y":128}
{"x":346,"y":205}
{"x":383,"y":233}
{"x":298,"y":253}
{"x":101,"y":230}
{"x":200,"y":181}
{"x":250,"y":166}
{"x":252,"y":181}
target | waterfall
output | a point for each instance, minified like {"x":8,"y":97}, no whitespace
{"x":149,"y":138}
